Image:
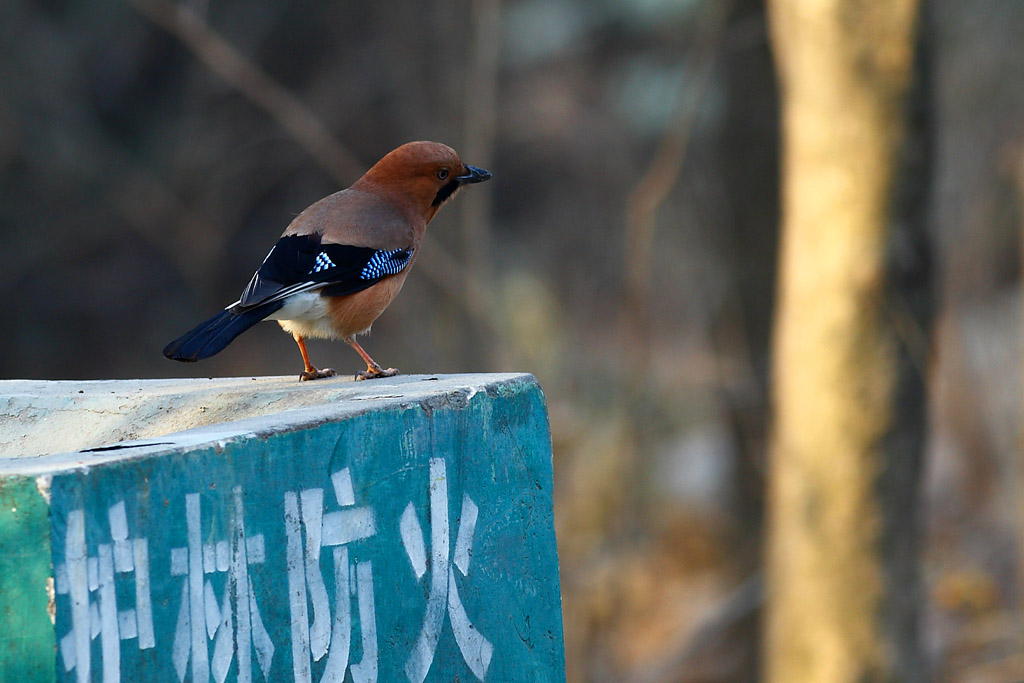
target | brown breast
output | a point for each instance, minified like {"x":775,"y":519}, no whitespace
{"x":353,"y":314}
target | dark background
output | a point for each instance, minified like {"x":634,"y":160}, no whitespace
{"x":624,"y":253}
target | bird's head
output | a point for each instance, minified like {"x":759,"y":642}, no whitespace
{"x":422,"y":175}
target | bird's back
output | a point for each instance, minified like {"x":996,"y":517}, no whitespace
{"x":358,"y":218}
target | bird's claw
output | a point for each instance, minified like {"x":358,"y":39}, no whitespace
{"x":374,"y":373}
{"x":316,"y":374}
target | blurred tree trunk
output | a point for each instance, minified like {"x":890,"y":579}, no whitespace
{"x":845,"y":450}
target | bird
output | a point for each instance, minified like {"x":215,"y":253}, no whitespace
{"x":342,"y":261}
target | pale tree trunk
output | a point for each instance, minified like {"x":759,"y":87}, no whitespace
{"x":844,"y":69}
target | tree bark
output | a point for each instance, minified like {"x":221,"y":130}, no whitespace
{"x":844,"y":69}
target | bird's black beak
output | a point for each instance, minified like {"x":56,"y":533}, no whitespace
{"x":475,"y":175}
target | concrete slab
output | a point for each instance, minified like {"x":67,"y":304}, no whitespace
{"x":266,"y":529}
{"x":44,"y":417}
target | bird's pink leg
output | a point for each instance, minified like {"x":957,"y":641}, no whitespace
{"x":373,"y":369}
{"x":311,"y":372}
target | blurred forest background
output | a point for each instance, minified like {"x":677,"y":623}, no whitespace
{"x":625,"y":253}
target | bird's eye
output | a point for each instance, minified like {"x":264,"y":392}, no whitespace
{"x":442,"y":174}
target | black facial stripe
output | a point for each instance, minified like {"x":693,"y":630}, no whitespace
{"x":445,"y":192}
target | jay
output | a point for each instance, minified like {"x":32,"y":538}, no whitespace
{"x":343,"y":260}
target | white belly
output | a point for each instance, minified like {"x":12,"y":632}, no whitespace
{"x":305,"y":315}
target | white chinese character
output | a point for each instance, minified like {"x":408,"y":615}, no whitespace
{"x":236,"y":627}
{"x":476,"y":650}
{"x":304,"y":511}
{"x":80,"y":575}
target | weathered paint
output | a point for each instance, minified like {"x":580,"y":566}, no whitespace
{"x":407,"y":536}
{"x":26,"y":633}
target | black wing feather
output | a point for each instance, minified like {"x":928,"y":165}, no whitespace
{"x":211,"y":336}
{"x":297,"y":263}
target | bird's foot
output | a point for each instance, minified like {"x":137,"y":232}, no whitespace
{"x":375,"y":372}
{"x":313,"y":373}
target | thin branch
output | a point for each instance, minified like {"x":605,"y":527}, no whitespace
{"x":299,"y":121}
{"x":479,"y":132}
{"x":738,"y":605}
{"x":1018,"y":462}
{"x":651,"y":191}
{"x":240,"y":73}
{"x":479,"y":111}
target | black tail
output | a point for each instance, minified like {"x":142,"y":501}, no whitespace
{"x":212,"y":336}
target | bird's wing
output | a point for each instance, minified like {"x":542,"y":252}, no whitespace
{"x":302,"y":263}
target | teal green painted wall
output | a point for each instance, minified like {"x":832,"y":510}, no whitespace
{"x":26,"y":634}
{"x":488,"y":606}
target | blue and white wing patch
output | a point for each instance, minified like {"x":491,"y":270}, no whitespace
{"x":382,"y":263}
{"x":323,"y":262}
{"x":302,"y":263}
